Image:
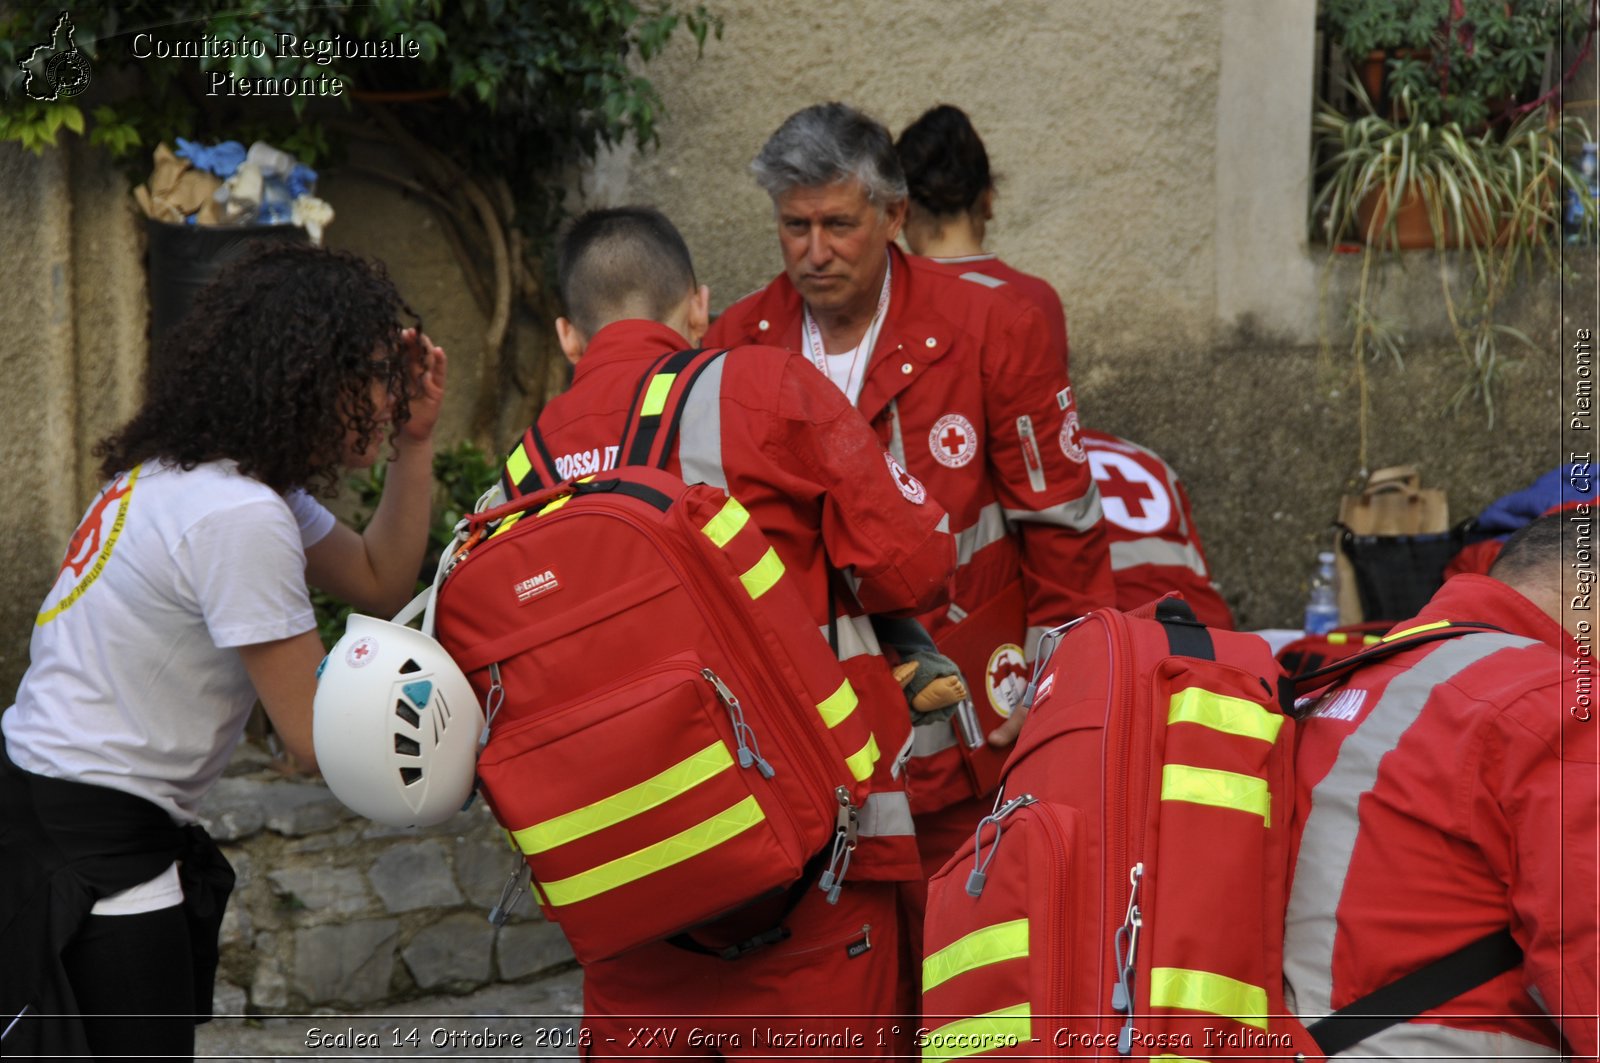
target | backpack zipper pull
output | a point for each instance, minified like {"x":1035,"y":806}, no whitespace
{"x":980,"y":865}
{"x":491,"y":703}
{"x":846,"y":826}
{"x":1125,"y":943}
{"x":511,"y":892}
{"x":743,"y":735}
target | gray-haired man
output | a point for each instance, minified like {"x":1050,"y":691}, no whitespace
{"x":948,"y":371}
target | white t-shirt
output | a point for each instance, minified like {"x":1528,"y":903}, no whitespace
{"x":134,"y":682}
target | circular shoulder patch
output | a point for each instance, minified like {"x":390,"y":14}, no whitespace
{"x":1072,"y":437}
{"x":953,"y":440}
{"x":909,"y":485}
{"x":1005,"y":680}
{"x":362,"y":652}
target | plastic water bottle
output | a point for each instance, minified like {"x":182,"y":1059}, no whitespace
{"x":1322,"y":605}
{"x":1578,"y":228}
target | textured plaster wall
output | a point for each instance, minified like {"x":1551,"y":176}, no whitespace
{"x":73,"y":296}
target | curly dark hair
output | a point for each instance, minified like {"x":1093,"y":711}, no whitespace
{"x":946,"y":166}
{"x":273,"y":364}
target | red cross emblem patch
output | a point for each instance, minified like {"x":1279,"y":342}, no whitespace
{"x":909,"y":485}
{"x":953,"y":440}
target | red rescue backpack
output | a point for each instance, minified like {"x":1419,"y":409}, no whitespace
{"x":1126,"y":898}
{"x":671,"y":736}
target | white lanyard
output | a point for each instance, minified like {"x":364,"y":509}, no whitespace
{"x":813,"y":337}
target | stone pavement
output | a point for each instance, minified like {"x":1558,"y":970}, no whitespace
{"x":536,"y":1020}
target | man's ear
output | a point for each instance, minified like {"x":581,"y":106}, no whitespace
{"x":572,"y":341}
{"x":894,"y":215}
{"x":699,"y":314}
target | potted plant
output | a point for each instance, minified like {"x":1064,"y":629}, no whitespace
{"x":1459,"y":150}
{"x":1467,"y":61}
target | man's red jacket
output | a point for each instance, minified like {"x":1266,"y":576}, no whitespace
{"x":958,"y":391}
{"x":1445,"y":793}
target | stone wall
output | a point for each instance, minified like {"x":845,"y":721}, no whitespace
{"x":332,"y":911}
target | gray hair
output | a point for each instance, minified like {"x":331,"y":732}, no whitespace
{"x":827,"y":143}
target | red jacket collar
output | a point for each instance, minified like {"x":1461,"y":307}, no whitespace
{"x":633,"y":340}
{"x":918,"y":332}
{"x":1472,"y":597}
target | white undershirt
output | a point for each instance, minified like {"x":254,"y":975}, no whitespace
{"x":848,"y":371}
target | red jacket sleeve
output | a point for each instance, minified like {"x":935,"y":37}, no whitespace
{"x":1041,"y":472}
{"x":879,"y":524}
{"x":1535,"y":810}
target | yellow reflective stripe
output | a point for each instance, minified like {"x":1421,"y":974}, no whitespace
{"x":655,"y":397}
{"x":991,"y":944}
{"x":533,"y":887}
{"x":685,"y":845}
{"x":1338,"y":638}
{"x":554,"y":504}
{"x":518,"y":465}
{"x":839,"y":705}
{"x":981,"y":1033}
{"x":1214,"y":994}
{"x":1419,"y":629}
{"x":726,"y":524}
{"x":862,"y":761}
{"x":506,"y":524}
{"x":763,"y":574}
{"x":653,"y":792}
{"x":1234,"y":716}
{"x":1224,"y":789}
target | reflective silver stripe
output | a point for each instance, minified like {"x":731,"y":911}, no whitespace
{"x":897,"y":445}
{"x":983,"y":279}
{"x":990,"y":527}
{"x":856,"y":637}
{"x":1434,"y":1041}
{"x":852,"y":580}
{"x":931,"y":738}
{"x":955,"y":613}
{"x":1081,"y":514}
{"x":700,"y":429}
{"x":886,"y":814}
{"x":1330,"y":830}
{"x":1155,"y":551}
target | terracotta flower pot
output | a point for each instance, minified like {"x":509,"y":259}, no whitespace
{"x":1412,"y":231}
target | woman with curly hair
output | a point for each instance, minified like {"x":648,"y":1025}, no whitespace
{"x":182,"y":601}
{"x":952,"y":203}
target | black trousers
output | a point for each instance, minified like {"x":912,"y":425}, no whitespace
{"x":129,"y":972}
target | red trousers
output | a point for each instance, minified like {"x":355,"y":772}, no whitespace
{"x":841,"y":986}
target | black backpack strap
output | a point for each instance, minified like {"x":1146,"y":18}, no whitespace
{"x":1186,"y":636}
{"x":773,"y":934}
{"x":1422,"y":990}
{"x":529,"y":467}
{"x":1391,"y":644}
{"x":651,"y":431}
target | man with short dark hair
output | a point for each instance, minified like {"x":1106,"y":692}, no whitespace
{"x":855,"y":532}
{"x":950,"y":373}
{"x":1448,"y":795}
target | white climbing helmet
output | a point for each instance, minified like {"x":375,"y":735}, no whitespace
{"x":395,"y":725}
